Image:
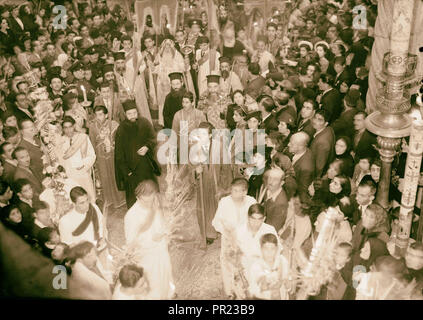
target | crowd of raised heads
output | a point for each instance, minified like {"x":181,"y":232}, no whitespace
{"x":80,"y":109}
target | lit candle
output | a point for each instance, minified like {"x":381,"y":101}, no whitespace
{"x":84,"y":92}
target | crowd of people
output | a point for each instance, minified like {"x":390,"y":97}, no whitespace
{"x":82,"y":107}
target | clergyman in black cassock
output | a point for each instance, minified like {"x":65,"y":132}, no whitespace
{"x":130,"y":167}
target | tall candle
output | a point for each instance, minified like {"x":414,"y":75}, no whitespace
{"x":84,"y":92}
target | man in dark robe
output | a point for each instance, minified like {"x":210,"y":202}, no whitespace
{"x":173,"y":101}
{"x":135,"y":142}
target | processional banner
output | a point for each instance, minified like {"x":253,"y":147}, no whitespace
{"x":162,"y":12}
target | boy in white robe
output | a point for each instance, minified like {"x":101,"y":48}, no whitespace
{"x":77,"y":225}
{"x":268,"y":276}
{"x":231,"y":212}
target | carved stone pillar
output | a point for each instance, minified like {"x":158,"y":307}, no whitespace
{"x":390,"y":122}
{"x":387,"y":149}
{"x":411,"y":182}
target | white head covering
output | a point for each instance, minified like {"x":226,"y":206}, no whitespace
{"x":61,"y":60}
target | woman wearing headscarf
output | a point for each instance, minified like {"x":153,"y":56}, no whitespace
{"x":343,"y":152}
{"x":370,"y":236}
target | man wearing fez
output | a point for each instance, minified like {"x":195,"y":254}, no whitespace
{"x":214,"y":103}
{"x":229,"y":81}
{"x":135,"y":142}
{"x":173,"y":102}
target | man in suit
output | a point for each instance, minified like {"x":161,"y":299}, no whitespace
{"x":22,"y":107}
{"x":323,"y":143}
{"x":110,"y":99}
{"x":9,"y":164}
{"x":276,"y":200}
{"x":306,"y":116}
{"x":32,"y":144}
{"x":344,"y":125}
{"x":362,"y":199}
{"x":42,"y":219}
{"x":269,"y":122}
{"x":16,"y":25}
{"x":342,"y":73}
{"x":303,"y":162}
{"x":24,"y":191}
{"x":24,"y":171}
{"x":363,"y":139}
{"x":286,"y":111}
{"x":330,"y":99}
{"x":256,"y":83}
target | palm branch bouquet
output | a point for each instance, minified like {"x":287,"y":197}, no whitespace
{"x":178,"y":191}
{"x":50,"y":137}
{"x":234,"y":256}
{"x":374,"y":287}
{"x":120,"y":257}
{"x":320,"y":267}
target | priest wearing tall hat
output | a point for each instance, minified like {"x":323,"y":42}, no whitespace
{"x":173,"y":101}
{"x":229,"y":80}
{"x":135,"y":143}
{"x":207,"y":62}
{"x":214,"y":103}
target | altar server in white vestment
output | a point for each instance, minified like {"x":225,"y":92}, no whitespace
{"x":232,"y":211}
{"x":84,"y":223}
{"x":78,"y":156}
{"x":248,"y":235}
{"x":146,"y":238}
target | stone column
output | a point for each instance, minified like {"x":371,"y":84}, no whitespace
{"x":390,"y":122}
{"x":411,"y":181}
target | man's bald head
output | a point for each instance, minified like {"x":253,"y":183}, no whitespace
{"x":298,"y":142}
{"x":276,"y":173}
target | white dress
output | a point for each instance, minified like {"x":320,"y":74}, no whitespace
{"x":80,"y":158}
{"x":152,"y":255}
